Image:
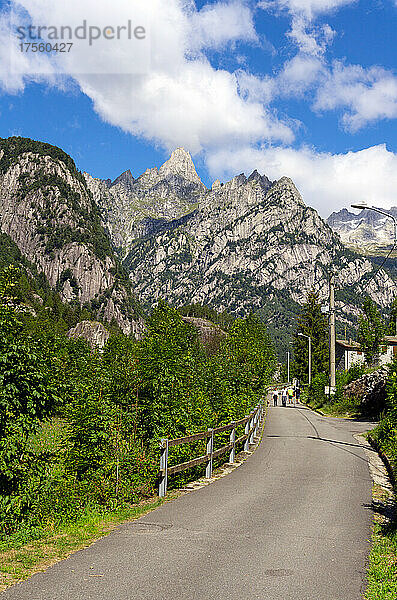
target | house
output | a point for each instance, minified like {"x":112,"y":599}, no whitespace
{"x":348,"y":352}
{"x":389,"y":350}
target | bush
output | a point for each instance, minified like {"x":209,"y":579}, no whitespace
{"x":79,"y":428}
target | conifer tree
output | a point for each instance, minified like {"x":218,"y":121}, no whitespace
{"x":393,"y":318}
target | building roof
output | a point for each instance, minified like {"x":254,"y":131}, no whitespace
{"x":391,"y":340}
{"x":348,"y":344}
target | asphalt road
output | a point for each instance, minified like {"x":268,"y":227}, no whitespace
{"x":291,"y":523}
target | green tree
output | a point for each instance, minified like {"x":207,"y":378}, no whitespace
{"x":371,"y":331}
{"x":169,"y":360}
{"x":238,"y":374}
{"x":311,"y":322}
{"x":27,"y":397}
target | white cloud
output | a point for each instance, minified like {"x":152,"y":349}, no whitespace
{"x":255,"y":88}
{"x":367,"y":95}
{"x":327,"y":182}
{"x":309,"y":38}
{"x":182,"y":99}
{"x":12,"y":79}
{"x":363,"y":95}
{"x":297,"y":76}
{"x":218,"y":24}
{"x":300,"y":74}
{"x":308,"y":8}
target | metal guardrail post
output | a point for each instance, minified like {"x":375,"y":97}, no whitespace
{"x":251,"y":438}
{"x":246,"y":430}
{"x":163,"y":467}
{"x":233,"y":442}
{"x":258,"y":419}
{"x":210,"y":450}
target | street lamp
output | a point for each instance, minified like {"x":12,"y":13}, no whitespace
{"x":310,"y":354}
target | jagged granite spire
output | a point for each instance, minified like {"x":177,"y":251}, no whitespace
{"x":137,"y":207}
{"x":263,"y":181}
{"x":181,"y":164}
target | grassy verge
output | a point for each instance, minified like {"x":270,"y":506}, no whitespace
{"x":336,"y":407}
{"x":346,"y":409}
{"x":20,"y":559}
{"x":382,"y":571}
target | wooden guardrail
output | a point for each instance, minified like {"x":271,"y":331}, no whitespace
{"x":251,"y":422}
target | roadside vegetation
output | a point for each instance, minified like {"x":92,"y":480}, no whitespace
{"x":337,"y":405}
{"x":382,"y":571}
{"x":382,"y":574}
{"x":80,"y":429}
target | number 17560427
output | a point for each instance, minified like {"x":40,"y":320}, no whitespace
{"x":45,"y":47}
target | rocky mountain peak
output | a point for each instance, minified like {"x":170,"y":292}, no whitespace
{"x":263,"y":181}
{"x":126,"y":179}
{"x":180,"y":164}
{"x":236,"y":182}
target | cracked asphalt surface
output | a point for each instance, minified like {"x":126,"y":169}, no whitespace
{"x":291,"y":523}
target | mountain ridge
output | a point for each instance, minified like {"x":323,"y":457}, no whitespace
{"x":249,"y":244}
{"x":364,"y":231}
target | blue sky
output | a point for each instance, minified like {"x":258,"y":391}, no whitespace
{"x":303,"y":88}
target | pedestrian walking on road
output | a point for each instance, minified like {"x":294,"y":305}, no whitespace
{"x":297,"y":394}
{"x":284,"y":397}
{"x":290,"y":393}
{"x":275,"y":398}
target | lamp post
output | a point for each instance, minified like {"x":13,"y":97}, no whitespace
{"x":310,"y":354}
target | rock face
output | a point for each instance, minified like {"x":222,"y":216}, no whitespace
{"x":93,"y":332}
{"x":367,"y":230}
{"x":370,"y":389}
{"x":250,"y":245}
{"x":48,"y":211}
{"x":133,"y":208}
{"x":210,"y":335}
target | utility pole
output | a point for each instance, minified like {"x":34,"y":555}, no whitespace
{"x":332,"y":366}
{"x":288,"y":364}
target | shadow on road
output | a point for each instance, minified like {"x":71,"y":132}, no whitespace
{"x":387,"y":511}
{"x":335,"y":443}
